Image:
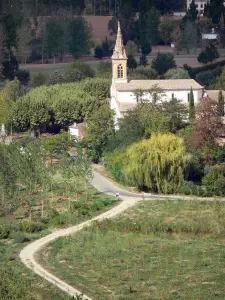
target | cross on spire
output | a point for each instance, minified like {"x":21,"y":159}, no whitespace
{"x":119,"y":50}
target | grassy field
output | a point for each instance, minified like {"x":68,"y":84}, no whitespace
{"x":49,"y":68}
{"x":157,"y":250}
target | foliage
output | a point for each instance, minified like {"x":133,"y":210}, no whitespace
{"x":13,"y":285}
{"x":189,"y":40}
{"x":83,"y":67}
{"x":73,"y":75}
{"x":131,"y":62}
{"x":192,"y":12}
{"x":206,"y":77}
{"x":214,"y":9}
{"x":209,"y":54}
{"x":191,"y":106}
{"x":208,"y":123}
{"x":62,"y":104}
{"x":100,"y":127}
{"x":214,"y":181}
{"x":99,"y":53}
{"x":38,"y":79}
{"x":79,"y":34}
{"x":55,"y":78}
{"x":143,"y":60}
{"x":10,"y":67}
{"x":145,"y":73}
{"x":178,"y":73}
{"x":131,"y":48}
{"x":163,"y":62}
{"x":220,"y":103}
{"x":104,"y":70}
{"x":23,"y":76}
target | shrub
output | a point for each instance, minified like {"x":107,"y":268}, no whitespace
{"x":131,"y":62}
{"x":60,"y":219}
{"x":143,"y":60}
{"x":177,"y":73}
{"x":206,"y":77}
{"x":38,"y":79}
{"x":189,"y":188}
{"x":4,"y":231}
{"x":73,"y":75}
{"x":19,"y":237}
{"x":163,"y":62}
{"x":83,"y":67}
{"x":214,"y":181}
{"x":55,"y":78}
{"x":23,"y":76}
{"x":30,"y":226}
{"x":209,"y":54}
{"x":147,"y":72}
{"x":99,"y":53}
{"x":104,"y":70}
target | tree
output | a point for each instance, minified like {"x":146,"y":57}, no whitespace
{"x":148,"y":26}
{"x":99,"y":53}
{"x":2,"y":50}
{"x":189,"y":38}
{"x":220,"y":103}
{"x":131,"y":48}
{"x":54,"y":43}
{"x":100,"y":128}
{"x":177,"y":73}
{"x":191,"y":106}
{"x":166,"y":28}
{"x":192,"y":12}
{"x":79,"y":34}
{"x":163,"y":62}
{"x":146,"y":48}
{"x":24,"y":39}
{"x":209,"y":54}
{"x":213,"y":9}
{"x":207,"y":123}
{"x":131,"y":62}
{"x":143,"y":60}
{"x":156,"y":163}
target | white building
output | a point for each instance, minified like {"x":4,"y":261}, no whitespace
{"x":200,"y":5}
{"x":126,"y":95}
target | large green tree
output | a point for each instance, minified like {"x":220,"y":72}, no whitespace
{"x":79,"y":34}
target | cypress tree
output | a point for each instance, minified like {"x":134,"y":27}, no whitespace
{"x":191,"y":106}
{"x":220,"y":104}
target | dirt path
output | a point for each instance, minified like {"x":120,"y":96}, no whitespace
{"x":27,"y":255}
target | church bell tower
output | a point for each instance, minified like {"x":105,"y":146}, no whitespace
{"x":119,"y":60}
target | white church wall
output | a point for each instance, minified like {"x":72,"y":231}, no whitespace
{"x":129,"y":97}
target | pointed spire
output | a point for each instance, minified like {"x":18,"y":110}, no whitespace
{"x":119,"y":50}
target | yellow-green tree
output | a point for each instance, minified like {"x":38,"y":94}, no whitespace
{"x":157,"y":163}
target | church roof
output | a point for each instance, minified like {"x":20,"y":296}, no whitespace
{"x":119,"y":50}
{"x":168,"y":84}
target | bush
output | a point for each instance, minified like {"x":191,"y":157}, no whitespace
{"x":83,"y":67}
{"x":209,"y":54}
{"x":214,"y":181}
{"x":30,"y":226}
{"x":189,"y":188}
{"x":19,"y":237}
{"x":143,"y":60}
{"x":23,"y":76}
{"x":4,"y":231}
{"x":215,"y":66}
{"x":55,"y":78}
{"x":99,"y":53}
{"x":147,"y":72}
{"x":73,"y":75}
{"x":38,"y":79}
{"x":206,"y":77}
{"x":131,"y":62}
{"x":177,"y":73}
{"x":60,"y":219}
{"x":104,"y":70}
{"x":163,"y":62}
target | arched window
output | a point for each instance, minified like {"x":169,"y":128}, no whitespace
{"x":120,"y":71}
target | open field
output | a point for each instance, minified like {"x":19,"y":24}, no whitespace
{"x":157,"y":250}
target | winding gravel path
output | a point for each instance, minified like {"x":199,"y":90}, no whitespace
{"x":27,"y":254}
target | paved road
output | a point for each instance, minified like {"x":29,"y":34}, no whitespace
{"x":28,"y":254}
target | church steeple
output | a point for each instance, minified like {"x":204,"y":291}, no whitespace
{"x":119,"y":50}
{"x":119,"y":60}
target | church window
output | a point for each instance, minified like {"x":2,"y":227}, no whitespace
{"x":120,"y":71}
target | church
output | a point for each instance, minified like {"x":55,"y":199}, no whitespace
{"x":124,"y":93}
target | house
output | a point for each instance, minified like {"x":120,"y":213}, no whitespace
{"x":77,"y":130}
{"x":213,"y":35}
{"x":200,"y":5}
{"x":126,"y":95}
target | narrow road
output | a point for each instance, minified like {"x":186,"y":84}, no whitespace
{"x":128,"y":199}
